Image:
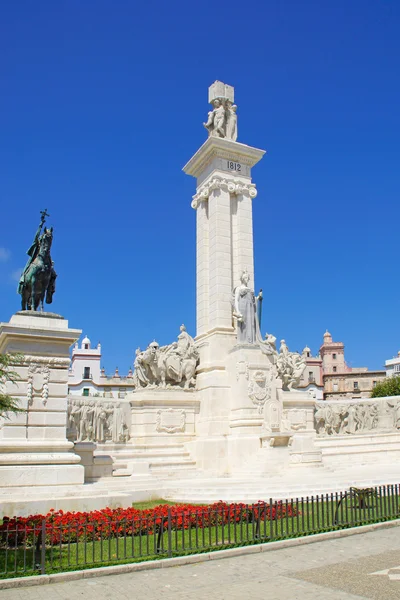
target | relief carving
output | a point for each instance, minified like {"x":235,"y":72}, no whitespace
{"x":259,"y":388}
{"x":38,"y":382}
{"x":170,"y":421}
{"x":96,"y":421}
{"x":333,"y":418}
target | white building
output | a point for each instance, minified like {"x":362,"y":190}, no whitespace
{"x":87,"y":378}
{"x":392,"y":366}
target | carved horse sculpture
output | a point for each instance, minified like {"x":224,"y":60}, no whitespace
{"x":161,"y":366}
{"x":177,"y":369}
{"x":40,"y":277}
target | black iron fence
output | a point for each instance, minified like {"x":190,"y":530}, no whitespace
{"x":49,"y":547}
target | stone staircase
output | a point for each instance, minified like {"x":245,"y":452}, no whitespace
{"x":299,"y":482}
{"x":266,"y":462}
{"x":159,"y":460}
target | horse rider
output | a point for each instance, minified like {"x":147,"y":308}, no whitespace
{"x":32,"y":252}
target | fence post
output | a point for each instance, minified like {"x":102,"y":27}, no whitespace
{"x":43,"y":549}
{"x":169,"y":532}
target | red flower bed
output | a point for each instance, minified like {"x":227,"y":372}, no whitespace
{"x":66,"y":527}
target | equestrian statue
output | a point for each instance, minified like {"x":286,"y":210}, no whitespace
{"x":38,"y":279}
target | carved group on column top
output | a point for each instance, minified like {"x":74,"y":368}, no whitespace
{"x":222,"y":119}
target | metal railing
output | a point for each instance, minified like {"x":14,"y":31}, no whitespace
{"x":50,"y":546}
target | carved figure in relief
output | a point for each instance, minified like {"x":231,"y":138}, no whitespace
{"x":140,"y":375}
{"x":290,"y":366}
{"x":101,"y":415}
{"x":350,"y":418}
{"x":97,"y":421}
{"x":86,"y":422}
{"x":397,"y":416}
{"x":174,"y":364}
{"x":119,"y":427}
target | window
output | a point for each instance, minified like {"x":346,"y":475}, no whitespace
{"x":122,"y":393}
{"x":334,"y":369}
{"x":355,"y":385}
{"x":374,"y":383}
{"x":335,"y":387}
{"x":308,"y":355}
{"x":86,"y":373}
{"x":334,"y":356}
{"x":397,"y":368}
{"x":86,"y":346}
{"x":85,"y":392}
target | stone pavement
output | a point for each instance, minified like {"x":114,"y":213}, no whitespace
{"x":358,"y":566}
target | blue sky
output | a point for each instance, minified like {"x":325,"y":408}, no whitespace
{"x":101,"y":105}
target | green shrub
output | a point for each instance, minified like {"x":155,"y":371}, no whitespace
{"x":7,"y":403}
{"x":388,"y":387}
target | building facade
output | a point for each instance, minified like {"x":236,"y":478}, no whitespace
{"x":392,"y":366}
{"x":340,"y":380}
{"x":87,"y":378}
{"x":312,"y":378}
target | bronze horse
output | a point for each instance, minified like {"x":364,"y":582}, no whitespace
{"x":39,"y":278}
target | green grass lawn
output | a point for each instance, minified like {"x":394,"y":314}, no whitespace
{"x":152,"y":504}
{"x":314,"y":517}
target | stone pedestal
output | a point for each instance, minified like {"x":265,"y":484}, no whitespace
{"x":298,"y":419}
{"x":34,"y":450}
{"x":162,"y":415}
{"x":96,"y":466}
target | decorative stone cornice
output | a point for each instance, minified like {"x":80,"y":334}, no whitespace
{"x":216,"y":147}
{"x":232,"y":185}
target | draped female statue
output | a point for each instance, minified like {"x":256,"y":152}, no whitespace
{"x":245,"y":311}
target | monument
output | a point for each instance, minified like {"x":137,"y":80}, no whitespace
{"x":34,"y":450}
{"x":207,"y":412}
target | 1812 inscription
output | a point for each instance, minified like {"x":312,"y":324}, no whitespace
{"x":234,"y":166}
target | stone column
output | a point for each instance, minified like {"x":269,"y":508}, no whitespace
{"x":202,"y":270}
{"x":244,"y":234}
{"x":220,"y":256}
{"x":224,"y":190}
{"x":34,"y":451}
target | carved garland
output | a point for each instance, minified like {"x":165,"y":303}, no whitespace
{"x":45,"y":371}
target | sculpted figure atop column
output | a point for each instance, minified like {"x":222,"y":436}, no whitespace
{"x":222,"y":119}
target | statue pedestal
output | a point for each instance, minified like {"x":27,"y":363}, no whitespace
{"x":34,"y":450}
{"x":298,"y":419}
{"x":162,"y":416}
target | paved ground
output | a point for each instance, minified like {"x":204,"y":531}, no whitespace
{"x":360,"y":566}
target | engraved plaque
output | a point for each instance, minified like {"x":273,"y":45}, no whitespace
{"x":170,"y":420}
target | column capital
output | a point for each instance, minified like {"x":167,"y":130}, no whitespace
{"x":233,"y":185}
